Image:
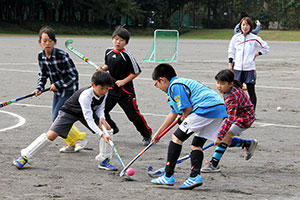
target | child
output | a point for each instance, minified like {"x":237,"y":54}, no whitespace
{"x":202,"y":111}
{"x":243,"y":48}
{"x":123,"y":68}
{"x":240,"y":117}
{"x":85,"y":105}
{"x":56,"y":65}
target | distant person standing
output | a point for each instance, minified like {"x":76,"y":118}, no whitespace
{"x":243,"y":48}
{"x":255,"y":31}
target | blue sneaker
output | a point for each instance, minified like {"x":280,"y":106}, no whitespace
{"x":191,"y":183}
{"x":107,"y":165}
{"x":164,"y":180}
{"x":20,"y":162}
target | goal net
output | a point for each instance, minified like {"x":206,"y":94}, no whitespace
{"x":164,"y":46}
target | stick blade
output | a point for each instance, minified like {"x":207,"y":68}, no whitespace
{"x":68,"y":42}
{"x":122,"y":173}
{"x":155,"y":174}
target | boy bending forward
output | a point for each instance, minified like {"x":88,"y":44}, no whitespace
{"x":85,"y":105}
{"x":202,"y":111}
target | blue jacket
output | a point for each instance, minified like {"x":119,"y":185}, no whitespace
{"x":205,"y":102}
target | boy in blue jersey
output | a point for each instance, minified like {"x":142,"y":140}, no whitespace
{"x":202,"y":111}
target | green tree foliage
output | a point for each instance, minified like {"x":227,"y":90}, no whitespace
{"x":164,"y":13}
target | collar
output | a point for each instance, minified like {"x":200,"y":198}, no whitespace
{"x":118,"y":51}
{"x":94,"y":95}
{"x":52,"y":54}
{"x":225,"y":95}
{"x":171,"y":81}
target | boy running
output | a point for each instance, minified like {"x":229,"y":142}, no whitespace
{"x":202,"y":111}
{"x":85,"y":105}
{"x":56,"y":65}
{"x":240,"y":112}
{"x":123,"y":68}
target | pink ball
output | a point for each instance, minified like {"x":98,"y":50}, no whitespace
{"x":130,"y":172}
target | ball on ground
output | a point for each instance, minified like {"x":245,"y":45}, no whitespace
{"x":130,"y":172}
{"x":278,"y":108}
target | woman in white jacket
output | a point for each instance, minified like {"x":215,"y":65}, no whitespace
{"x":244,"y":47}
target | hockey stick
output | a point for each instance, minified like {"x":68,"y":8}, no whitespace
{"x":20,"y":98}
{"x":115,"y":150}
{"x":77,"y":53}
{"x":180,"y":160}
{"x":147,"y":147}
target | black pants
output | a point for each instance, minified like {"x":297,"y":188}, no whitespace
{"x":130,"y":107}
{"x":252,"y":94}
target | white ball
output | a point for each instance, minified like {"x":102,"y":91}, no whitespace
{"x":278,"y":108}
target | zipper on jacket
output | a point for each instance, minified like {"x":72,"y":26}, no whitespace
{"x":242,"y":66}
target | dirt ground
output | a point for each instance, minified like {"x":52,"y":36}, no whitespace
{"x":272,"y":173}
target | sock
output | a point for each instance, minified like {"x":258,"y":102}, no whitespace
{"x":173,"y":155}
{"x":239,"y":142}
{"x":37,"y":144}
{"x":196,"y":161}
{"x":221,"y":148}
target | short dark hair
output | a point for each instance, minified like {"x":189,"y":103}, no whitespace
{"x":249,"y":21}
{"x":102,"y":78}
{"x":227,"y":75}
{"x":163,"y":70}
{"x":121,"y":32}
{"x":49,"y":31}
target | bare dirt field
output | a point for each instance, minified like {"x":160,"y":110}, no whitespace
{"x":272,"y":173}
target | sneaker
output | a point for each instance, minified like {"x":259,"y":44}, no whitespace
{"x":146,"y":141}
{"x":67,"y":149}
{"x":80,"y":144}
{"x":250,"y":149}
{"x":164,"y":180}
{"x":20,"y":162}
{"x":191,"y":183}
{"x":107,"y":165}
{"x":210,"y":168}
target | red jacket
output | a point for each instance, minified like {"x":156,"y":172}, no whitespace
{"x":240,"y":111}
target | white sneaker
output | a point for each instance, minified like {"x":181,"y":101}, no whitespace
{"x":67,"y":149}
{"x":251,"y":149}
{"x":80,"y":144}
{"x":210,"y":169}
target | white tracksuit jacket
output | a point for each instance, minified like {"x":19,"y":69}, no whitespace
{"x":243,"y":49}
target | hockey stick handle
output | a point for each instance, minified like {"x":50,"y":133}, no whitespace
{"x":113,"y":147}
{"x":166,"y":130}
{"x":116,"y":153}
{"x":77,"y":53}
{"x":147,"y":147}
{"x":20,"y":98}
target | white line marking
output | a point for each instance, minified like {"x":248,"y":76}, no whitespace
{"x":162,"y":115}
{"x":20,"y":123}
{"x":149,"y":79}
{"x":277,"y":125}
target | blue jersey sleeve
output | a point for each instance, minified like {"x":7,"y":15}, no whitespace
{"x":181,"y":95}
